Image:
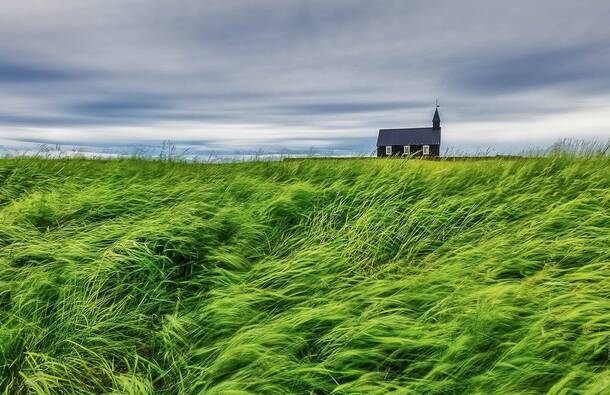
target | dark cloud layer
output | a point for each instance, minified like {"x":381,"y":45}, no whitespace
{"x":30,"y":73}
{"x":295,"y":74}
{"x":119,"y":107}
{"x":579,"y":67}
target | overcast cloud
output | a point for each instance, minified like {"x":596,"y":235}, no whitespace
{"x":246,"y":75}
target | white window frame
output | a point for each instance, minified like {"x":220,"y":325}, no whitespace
{"x":406,"y":150}
{"x":426,"y":150}
{"x":388,"y":150}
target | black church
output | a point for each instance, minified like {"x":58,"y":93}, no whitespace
{"x":412,"y":141}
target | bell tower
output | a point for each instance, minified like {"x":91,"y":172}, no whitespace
{"x":436,"y":121}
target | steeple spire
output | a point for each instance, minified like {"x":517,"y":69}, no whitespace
{"x":436,"y":121}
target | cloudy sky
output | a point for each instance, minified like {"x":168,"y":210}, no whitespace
{"x":273,"y":75}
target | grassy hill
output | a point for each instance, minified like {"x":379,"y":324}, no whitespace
{"x":351,"y":276}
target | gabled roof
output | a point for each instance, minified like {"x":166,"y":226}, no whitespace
{"x":415,"y":136}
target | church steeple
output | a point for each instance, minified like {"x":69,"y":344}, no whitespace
{"x":436,"y":121}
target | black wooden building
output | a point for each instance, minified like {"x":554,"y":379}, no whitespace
{"x":413,"y":141}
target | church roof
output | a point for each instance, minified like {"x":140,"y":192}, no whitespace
{"x":413,"y":136}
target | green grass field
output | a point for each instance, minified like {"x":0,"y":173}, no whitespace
{"x":310,"y":277}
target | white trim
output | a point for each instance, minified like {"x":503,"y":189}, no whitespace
{"x":426,"y":150}
{"x":388,"y":150}
{"x":406,"y":150}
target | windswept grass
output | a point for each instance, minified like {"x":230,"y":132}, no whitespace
{"x":362,"y":276}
